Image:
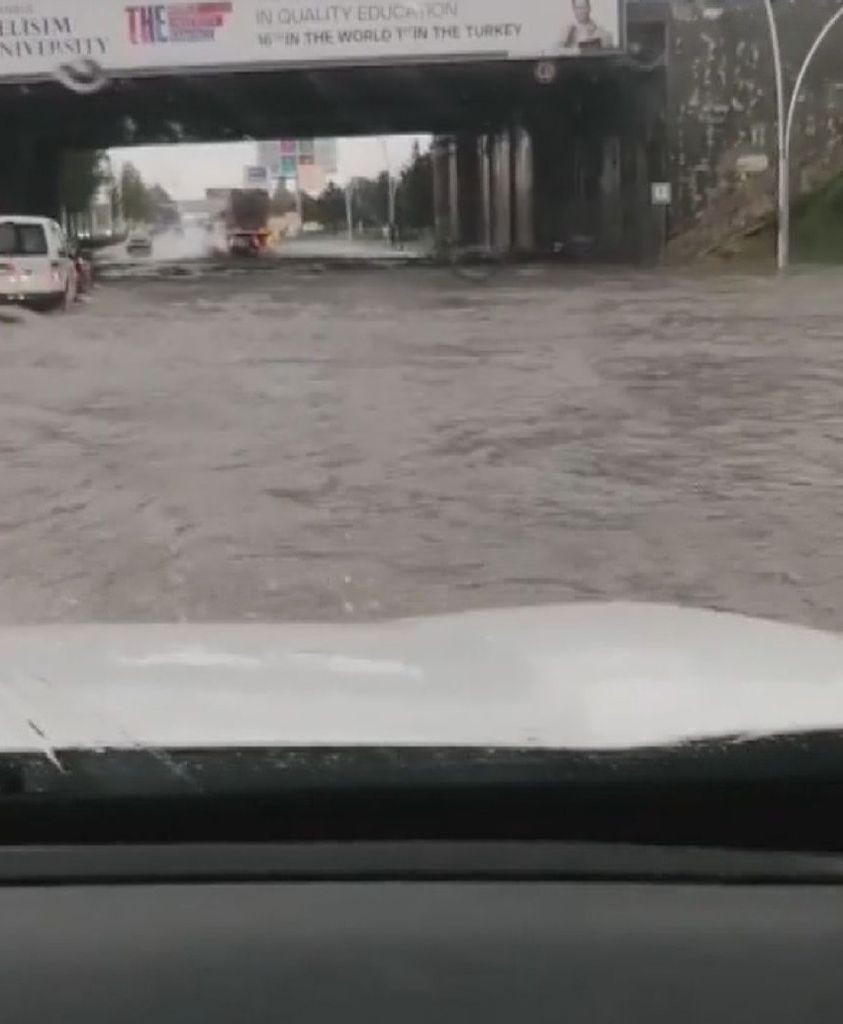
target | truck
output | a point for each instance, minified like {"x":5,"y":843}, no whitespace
{"x":247,"y":221}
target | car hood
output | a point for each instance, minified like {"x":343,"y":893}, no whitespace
{"x":603,"y":676}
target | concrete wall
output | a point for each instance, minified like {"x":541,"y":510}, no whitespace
{"x":722,"y":114}
{"x":693,"y":104}
{"x":569,"y":172}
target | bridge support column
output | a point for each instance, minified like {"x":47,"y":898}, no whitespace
{"x":29,"y":174}
{"x":522,"y":186}
{"x":611,"y":211}
{"x":502,"y":191}
{"x":484,"y":193}
{"x":446,"y":218}
{"x":468,"y":189}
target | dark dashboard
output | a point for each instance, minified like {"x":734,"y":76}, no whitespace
{"x":532,"y":948}
{"x":698,"y":884}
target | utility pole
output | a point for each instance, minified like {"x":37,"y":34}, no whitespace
{"x":783,"y":175}
{"x":391,"y":183}
{"x":785,"y":116}
{"x":349,"y":209}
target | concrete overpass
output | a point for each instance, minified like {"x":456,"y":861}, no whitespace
{"x":535,"y":142}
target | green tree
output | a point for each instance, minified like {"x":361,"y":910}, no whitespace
{"x":82,"y":172}
{"x":283,"y":200}
{"x":330,"y":208}
{"x":137,"y":204}
{"x":414,"y":197}
{"x":163,"y":209}
{"x":371,"y":200}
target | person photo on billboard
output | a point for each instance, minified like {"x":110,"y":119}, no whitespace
{"x":583,"y":33}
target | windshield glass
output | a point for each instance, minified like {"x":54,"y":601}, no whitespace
{"x":22,"y":239}
{"x":471,"y":366}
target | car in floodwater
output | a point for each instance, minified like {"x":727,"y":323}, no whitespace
{"x":139,"y":243}
{"x":36,"y":265}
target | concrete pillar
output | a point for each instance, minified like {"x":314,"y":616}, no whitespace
{"x":12,"y":173}
{"x":445,"y":191}
{"x":439,"y":159}
{"x":29,"y":175}
{"x":611,"y":211}
{"x":484,"y":192}
{"x":649,"y":233}
{"x":468,"y":189}
{"x":522,"y":187}
{"x":502,"y":191}
{"x":453,"y":192}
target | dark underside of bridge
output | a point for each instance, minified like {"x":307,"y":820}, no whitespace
{"x":300,"y":103}
{"x":588,"y":100}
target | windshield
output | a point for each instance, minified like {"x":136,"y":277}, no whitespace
{"x":22,"y":239}
{"x":471,"y":367}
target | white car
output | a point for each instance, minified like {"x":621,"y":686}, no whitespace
{"x":36,"y":265}
{"x":139,"y":243}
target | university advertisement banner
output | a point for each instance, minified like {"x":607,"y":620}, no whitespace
{"x":37,"y":36}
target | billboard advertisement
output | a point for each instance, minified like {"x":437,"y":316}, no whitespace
{"x":268,"y":153}
{"x":256,"y":177}
{"x":326,"y":155}
{"x":289,"y":167}
{"x":38,"y":36}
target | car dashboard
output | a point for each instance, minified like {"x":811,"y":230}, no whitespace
{"x":417,"y":933}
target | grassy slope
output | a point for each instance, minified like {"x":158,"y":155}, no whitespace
{"x":818,"y":225}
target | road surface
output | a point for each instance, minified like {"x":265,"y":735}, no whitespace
{"x":327,"y":444}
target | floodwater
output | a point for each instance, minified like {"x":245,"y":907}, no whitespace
{"x":308,"y":443}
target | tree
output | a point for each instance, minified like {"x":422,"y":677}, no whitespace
{"x":283,"y":200}
{"x":137,"y":205}
{"x":330,"y":208}
{"x":371,"y":200}
{"x":414,"y":198}
{"x":162,"y":207}
{"x":82,"y":173}
{"x":116,"y":202}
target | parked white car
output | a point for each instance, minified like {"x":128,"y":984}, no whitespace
{"x":36,"y":265}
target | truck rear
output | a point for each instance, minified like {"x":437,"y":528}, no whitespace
{"x":247,"y":221}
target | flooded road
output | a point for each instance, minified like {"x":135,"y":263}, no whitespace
{"x":295,"y":444}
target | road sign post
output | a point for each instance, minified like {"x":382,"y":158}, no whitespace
{"x":661,"y":196}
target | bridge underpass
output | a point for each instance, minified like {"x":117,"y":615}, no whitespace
{"x":520,"y":164}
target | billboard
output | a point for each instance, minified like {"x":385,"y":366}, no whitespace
{"x":299,"y":153}
{"x":289,"y":167}
{"x":256,"y":177}
{"x":38,"y":36}
{"x":326,"y":155}
{"x":268,"y":153}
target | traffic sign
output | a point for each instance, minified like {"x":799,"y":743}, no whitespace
{"x":661,"y":193}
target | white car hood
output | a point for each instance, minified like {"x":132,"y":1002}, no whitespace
{"x":576,"y":676}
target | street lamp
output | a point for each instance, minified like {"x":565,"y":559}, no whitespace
{"x":785,"y":123}
{"x":349,"y":209}
{"x":391,"y":182}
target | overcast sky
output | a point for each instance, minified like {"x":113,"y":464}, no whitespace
{"x":186,"y":171}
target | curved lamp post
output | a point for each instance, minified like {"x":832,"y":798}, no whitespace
{"x":785,"y":123}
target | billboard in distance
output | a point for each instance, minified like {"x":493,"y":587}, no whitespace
{"x":325,"y":153}
{"x":256,"y":176}
{"x":289,"y":167}
{"x":268,"y":153}
{"x":39,"y":36}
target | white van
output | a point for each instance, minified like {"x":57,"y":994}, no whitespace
{"x":36,"y":267}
